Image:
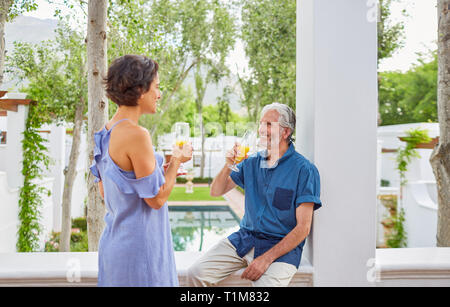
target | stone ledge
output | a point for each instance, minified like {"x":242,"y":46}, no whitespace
{"x":53,"y":269}
{"x":413,"y":266}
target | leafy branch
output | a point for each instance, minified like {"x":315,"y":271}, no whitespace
{"x":406,"y":154}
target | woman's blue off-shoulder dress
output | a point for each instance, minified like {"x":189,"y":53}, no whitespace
{"x":135,"y":248}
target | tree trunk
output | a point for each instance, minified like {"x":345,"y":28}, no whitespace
{"x":69,"y":179}
{"x":97,"y":110}
{"x":440,"y":158}
{"x":200,"y":87}
{"x":4,"y":9}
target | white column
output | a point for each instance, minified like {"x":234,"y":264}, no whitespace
{"x":336,"y":129}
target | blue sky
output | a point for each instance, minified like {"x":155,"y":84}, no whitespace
{"x":420,"y":32}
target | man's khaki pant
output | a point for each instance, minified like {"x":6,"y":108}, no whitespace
{"x":222,"y":260}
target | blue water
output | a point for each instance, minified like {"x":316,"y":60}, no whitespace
{"x":197,"y":228}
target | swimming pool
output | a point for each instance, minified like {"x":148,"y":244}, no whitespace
{"x":197,"y":228}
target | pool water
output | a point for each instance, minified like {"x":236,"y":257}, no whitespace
{"x":197,"y":228}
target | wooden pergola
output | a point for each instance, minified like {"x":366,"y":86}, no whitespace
{"x":10,"y":104}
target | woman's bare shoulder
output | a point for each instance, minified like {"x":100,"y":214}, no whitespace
{"x":138,"y":136}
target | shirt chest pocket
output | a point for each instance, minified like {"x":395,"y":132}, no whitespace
{"x":282,"y":198}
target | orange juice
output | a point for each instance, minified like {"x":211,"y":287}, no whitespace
{"x":180,"y":143}
{"x":243,"y":150}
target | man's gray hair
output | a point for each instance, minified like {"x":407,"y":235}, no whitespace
{"x":286,"y":118}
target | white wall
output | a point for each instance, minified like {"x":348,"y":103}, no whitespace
{"x":420,"y":214}
{"x":8,"y":215}
{"x":11,"y":178}
{"x":12,"y":153}
{"x":3,"y":123}
{"x":420,"y":193}
{"x":3,"y":148}
{"x":420,"y":169}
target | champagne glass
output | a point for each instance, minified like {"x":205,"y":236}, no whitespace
{"x":246,"y":147}
{"x":182,"y":134}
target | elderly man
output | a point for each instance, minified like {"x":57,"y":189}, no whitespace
{"x":282,"y":189}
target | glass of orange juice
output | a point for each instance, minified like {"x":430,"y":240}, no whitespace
{"x":182,"y":134}
{"x":246,"y":147}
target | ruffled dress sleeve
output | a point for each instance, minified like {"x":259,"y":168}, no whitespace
{"x":144,"y":187}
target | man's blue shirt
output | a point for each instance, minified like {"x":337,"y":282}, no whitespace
{"x":271,"y":198}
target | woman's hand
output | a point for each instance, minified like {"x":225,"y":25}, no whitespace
{"x":184,"y":154}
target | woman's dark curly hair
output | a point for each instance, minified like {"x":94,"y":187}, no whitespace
{"x":129,"y":77}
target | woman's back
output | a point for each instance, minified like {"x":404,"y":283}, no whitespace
{"x":136,"y":245}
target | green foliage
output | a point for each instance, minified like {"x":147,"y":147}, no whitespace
{"x":35,"y":159}
{"x":385,"y":183}
{"x":17,"y":7}
{"x":215,"y":114}
{"x":411,"y":96}
{"x":407,"y":153}
{"x":397,"y":238}
{"x":268,"y":31}
{"x":80,"y":223}
{"x":394,"y":231}
{"x":55,"y":71}
{"x":179,"y":35}
{"x":78,"y":242}
{"x":183,"y":109}
{"x":390,"y":35}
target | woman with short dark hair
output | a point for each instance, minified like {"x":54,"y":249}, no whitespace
{"x":135,"y":248}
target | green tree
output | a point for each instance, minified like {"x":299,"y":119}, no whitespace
{"x":10,"y":9}
{"x":390,"y":39}
{"x":183,"y":36}
{"x":212,"y":114}
{"x":183,"y":109}
{"x":268,"y":31}
{"x":56,"y":75}
{"x":411,"y":96}
{"x":390,"y":34}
